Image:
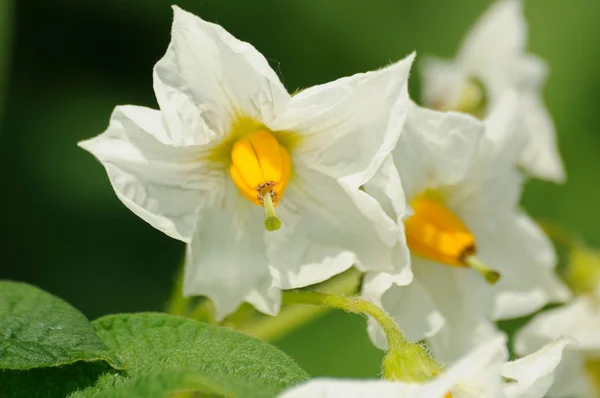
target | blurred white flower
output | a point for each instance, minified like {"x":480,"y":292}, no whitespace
{"x":464,"y":189}
{"x":578,"y":375}
{"x":492,"y":59}
{"x":483,"y":373}
{"x":229,"y":140}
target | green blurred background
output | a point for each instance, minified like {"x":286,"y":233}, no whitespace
{"x":64,"y":64}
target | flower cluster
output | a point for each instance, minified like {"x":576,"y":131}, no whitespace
{"x":272,"y":191}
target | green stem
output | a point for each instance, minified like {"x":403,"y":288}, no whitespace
{"x":353,"y":304}
{"x":404,"y":360}
{"x":205,"y":312}
{"x":291,"y":318}
{"x":177,"y":304}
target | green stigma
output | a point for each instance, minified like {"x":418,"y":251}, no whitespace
{"x":272,"y":222}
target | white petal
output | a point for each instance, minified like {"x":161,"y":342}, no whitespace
{"x":226,"y":260}
{"x":386,"y":188}
{"x":336,"y":388}
{"x":505,"y":139}
{"x":435,"y":148}
{"x":541,"y":157}
{"x":479,"y":370}
{"x":531,"y":71}
{"x":514,"y":245}
{"x":350,"y":125}
{"x":477,"y":374}
{"x":443,"y":82}
{"x":490,"y":48}
{"x":493,"y":185}
{"x":324,"y":233}
{"x":207,"y":68}
{"x":579,"y":319}
{"x":348,"y":128}
{"x":571,"y":378}
{"x":409,"y":304}
{"x":162,"y":184}
{"x":534,"y":374}
{"x":461,"y":298}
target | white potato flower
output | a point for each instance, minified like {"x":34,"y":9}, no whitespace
{"x":578,"y":375}
{"x":482,"y":373}
{"x":492,"y":59}
{"x":460,"y":178}
{"x":229,"y":146}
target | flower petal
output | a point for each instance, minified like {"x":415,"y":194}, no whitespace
{"x":490,"y":48}
{"x":579,"y":319}
{"x":162,"y":184}
{"x":442,"y":82}
{"x":505,"y":140}
{"x":460,"y":297}
{"x":350,"y":125}
{"x":516,"y":247}
{"x":541,"y":157}
{"x":435,"y":148}
{"x":409,"y":304}
{"x":477,"y":373}
{"x":324,"y":233}
{"x":335,"y":388}
{"x":385,"y":187}
{"x":226,"y":260}
{"x":221,"y":76}
{"x":534,"y":374}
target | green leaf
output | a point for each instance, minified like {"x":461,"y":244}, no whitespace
{"x":182,"y":384}
{"x":166,"y":355}
{"x":38,"y":329}
{"x":196,"y":352}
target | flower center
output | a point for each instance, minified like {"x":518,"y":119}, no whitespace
{"x":260,"y":168}
{"x":435,"y":233}
{"x":582,"y":273}
{"x":472,"y":100}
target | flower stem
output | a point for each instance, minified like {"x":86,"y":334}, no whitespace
{"x":205,"y":311}
{"x":291,"y":318}
{"x":177,"y":304}
{"x":404,"y":360}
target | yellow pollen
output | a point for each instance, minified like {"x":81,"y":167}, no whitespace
{"x":435,"y":233}
{"x":260,"y":168}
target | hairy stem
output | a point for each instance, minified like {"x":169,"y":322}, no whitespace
{"x":291,"y":318}
{"x":405,"y":361}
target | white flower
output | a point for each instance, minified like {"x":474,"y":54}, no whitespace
{"x":464,"y":190}
{"x":229,"y":139}
{"x":492,"y":59}
{"x":483,"y":373}
{"x":579,"y":319}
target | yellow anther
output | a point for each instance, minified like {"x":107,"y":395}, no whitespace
{"x":260,"y":168}
{"x":435,"y":233}
{"x":259,"y":164}
{"x":473,"y":99}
